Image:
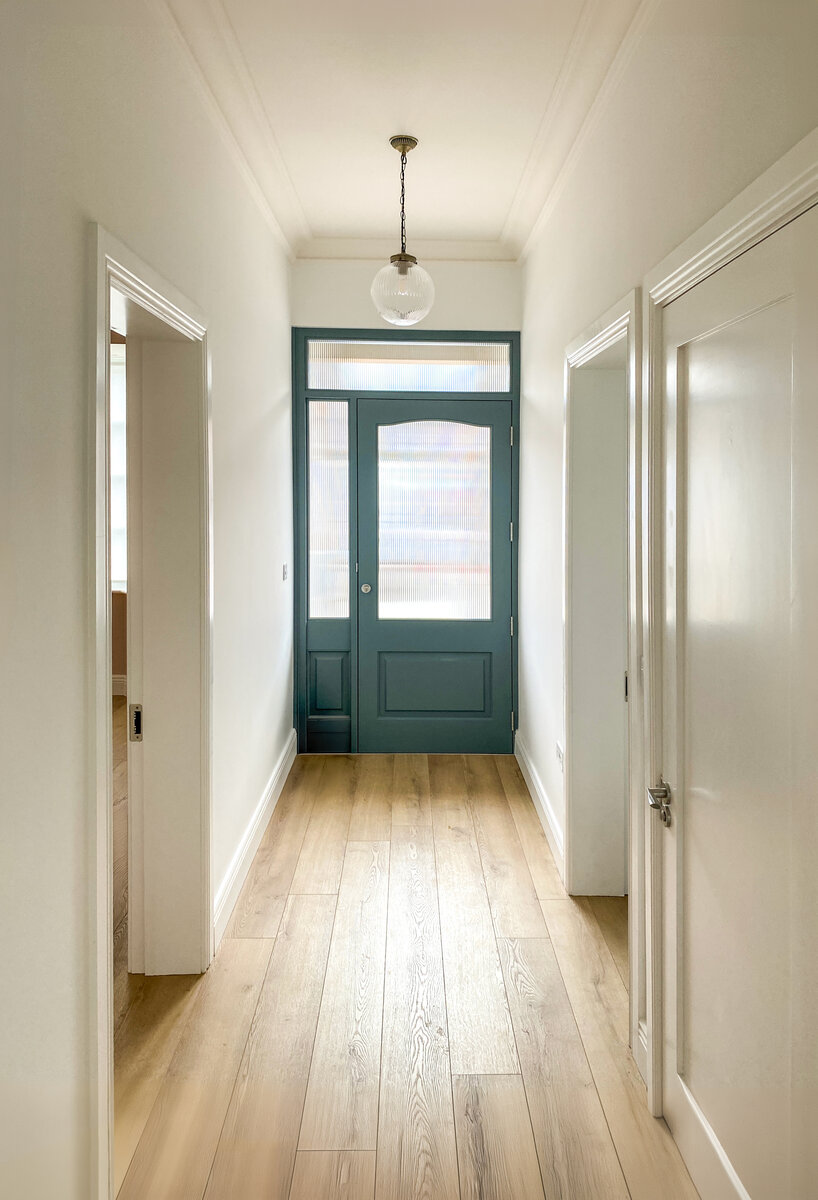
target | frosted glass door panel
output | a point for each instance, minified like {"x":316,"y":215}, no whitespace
{"x":328,"y":468}
{"x":434,"y":521}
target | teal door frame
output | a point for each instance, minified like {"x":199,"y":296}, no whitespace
{"x":339,"y":729}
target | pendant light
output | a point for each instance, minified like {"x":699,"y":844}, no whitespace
{"x":403,"y":292}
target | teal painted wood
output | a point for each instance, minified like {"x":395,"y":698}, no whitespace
{"x":318,"y":731}
{"x":434,"y":686}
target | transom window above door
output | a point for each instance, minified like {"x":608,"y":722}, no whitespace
{"x":408,"y":366}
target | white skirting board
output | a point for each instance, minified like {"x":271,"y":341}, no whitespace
{"x":119,"y":685}
{"x":228,"y":890}
{"x":545,"y":812}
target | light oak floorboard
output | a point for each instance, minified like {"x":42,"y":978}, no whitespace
{"x":417,"y":1155}
{"x":261,"y":901}
{"x":143,"y":1049}
{"x":495,"y":1144}
{"x":341,"y":1108}
{"x":175,"y":1152}
{"x":514,"y":905}
{"x":410,"y":794}
{"x":372,"y":810}
{"x":649,"y":1156}
{"x":544,"y":872}
{"x":256,"y":1152}
{"x":322,"y":852}
{"x":481,"y":1040}
{"x":611,"y":913}
{"x":576,"y":1153}
{"x":334,"y":1175}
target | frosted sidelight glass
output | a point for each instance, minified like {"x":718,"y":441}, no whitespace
{"x":434,"y":521}
{"x":328,"y":469}
{"x":358,"y":366}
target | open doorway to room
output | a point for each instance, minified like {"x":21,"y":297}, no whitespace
{"x":603,"y":836}
{"x":152,"y":677}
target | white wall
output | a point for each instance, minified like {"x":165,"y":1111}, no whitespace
{"x":101,"y":121}
{"x":468,"y":295}
{"x":709,"y":97}
{"x":596,"y":751}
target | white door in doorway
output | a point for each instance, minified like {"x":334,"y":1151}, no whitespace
{"x":740,"y":720}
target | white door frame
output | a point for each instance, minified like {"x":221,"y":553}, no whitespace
{"x":781,"y":194}
{"x":114,"y":265}
{"x":622,"y":322}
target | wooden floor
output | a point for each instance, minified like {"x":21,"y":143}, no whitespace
{"x":406,"y":1006}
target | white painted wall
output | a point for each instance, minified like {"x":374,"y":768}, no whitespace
{"x":101,"y":120}
{"x":596,"y":752}
{"x":468,"y":295}
{"x":707,"y":98}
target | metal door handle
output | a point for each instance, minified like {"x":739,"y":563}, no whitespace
{"x":659,"y":798}
{"x":366,"y":588}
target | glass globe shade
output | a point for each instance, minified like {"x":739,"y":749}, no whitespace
{"x":403,"y":293}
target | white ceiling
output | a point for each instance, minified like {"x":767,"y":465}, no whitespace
{"x":497,"y":93}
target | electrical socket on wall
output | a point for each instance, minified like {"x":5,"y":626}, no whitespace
{"x":284,"y":571}
{"x":560,"y":756}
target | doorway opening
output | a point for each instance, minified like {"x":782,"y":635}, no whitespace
{"x":405,"y":507}
{"x":604,"y":839}
{"x":152,"y":638}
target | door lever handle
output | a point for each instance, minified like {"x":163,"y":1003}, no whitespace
{"x":659,"y":798}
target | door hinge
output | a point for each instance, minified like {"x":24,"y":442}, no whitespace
{"x":512,"y":719}
{"x":512,"y":627}
{"x":511,"y":531}
{"x":511,"y":438}
{"x":626,"y":687}
{"x":135,"y":722}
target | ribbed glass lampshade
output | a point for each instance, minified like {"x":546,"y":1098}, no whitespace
{"x":403,"y":293}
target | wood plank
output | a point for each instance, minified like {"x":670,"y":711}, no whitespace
{"x":417,"y":1154}
{"x":143,"y":1049}
{"x":544,"y":872}
{"x":611,"y":913}
{"x":341,"y":1108}
{"x":175,"y":1152}
{"x":261,"y":901}
{"x":372,"y":809}
{"x":576,"y":1153}
{"x":322,"y":852}
{"x":410,"y":794}
{"x":649,"y":1156}
{"x":514,"y":904}
{"x":334,"y":1175}
{"x":481,"y":1040}
{"x":495,"y":1144}
{"x":256,"y":1152}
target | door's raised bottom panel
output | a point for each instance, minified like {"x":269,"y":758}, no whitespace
{"x":431,"y":683}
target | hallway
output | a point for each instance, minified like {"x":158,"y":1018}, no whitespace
{"x":406,"y":1005}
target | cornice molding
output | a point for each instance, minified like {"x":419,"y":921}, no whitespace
{"x":617,"y":67}
{"x":426,"y":250}
{"x":203,"y":31}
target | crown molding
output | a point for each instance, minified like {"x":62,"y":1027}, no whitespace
{"x":204,"y":32}
{"x":428,"y":250}
{"x":560,"y":168}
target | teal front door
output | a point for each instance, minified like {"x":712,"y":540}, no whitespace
{"x":433,"y":586}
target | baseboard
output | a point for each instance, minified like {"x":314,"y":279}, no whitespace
{"x":545,"y":812}
{"x":119,"y":685}
{"x":228,"y":890}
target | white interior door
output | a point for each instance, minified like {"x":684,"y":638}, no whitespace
{"x":740,"y":721}
{"x":167,"y":664}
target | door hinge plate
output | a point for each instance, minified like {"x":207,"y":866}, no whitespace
{"x":511,"y":531}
